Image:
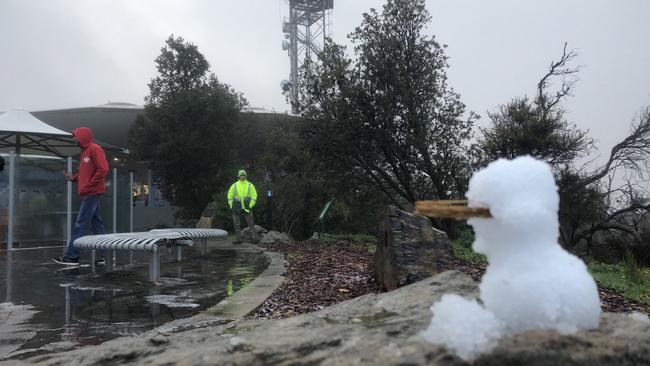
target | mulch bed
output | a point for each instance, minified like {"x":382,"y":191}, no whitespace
{"x":322,"y":274}
{"x":318,"y":275}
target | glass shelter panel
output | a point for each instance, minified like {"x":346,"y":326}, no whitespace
{"x":107,"y":203}
{"x":40,"y":208}
{"x":4,"y":201}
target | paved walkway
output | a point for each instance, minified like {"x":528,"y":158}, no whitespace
{"x":242,"y":302}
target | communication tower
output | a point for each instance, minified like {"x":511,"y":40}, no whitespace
{"x":309,"y":24}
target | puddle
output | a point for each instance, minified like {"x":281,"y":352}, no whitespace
{"x":46,"y":309}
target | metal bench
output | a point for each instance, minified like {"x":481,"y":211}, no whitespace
{"x":149,"y":241}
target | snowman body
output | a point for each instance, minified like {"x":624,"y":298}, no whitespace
{"x":531,"y":282}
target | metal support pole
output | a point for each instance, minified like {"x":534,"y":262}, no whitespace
{"x":324,"y":15}
{"x":131,"y":212}
{"x":154,"y":265}
{"x":10,"y":211}
{"x":10,"y":261}
{"x":150,"y":189}
{"x":131,"y":186}
{"x":108,"y":265}
{"x":179,"y":253}
{"x":114,"y":200}
{"x":204,"y":246}
{"x":68,"y":215}
{"x":114,"y":254}
{"x":294,"y":60}
{"x":68,"y":308}
{"x":269,"y":210}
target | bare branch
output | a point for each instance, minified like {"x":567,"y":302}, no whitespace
{"x":633,"y":152}
{"x":559,"y":68}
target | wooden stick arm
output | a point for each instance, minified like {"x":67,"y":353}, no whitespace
{"x":450,"y":209}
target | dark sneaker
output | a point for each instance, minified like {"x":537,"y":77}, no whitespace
{"x":66,"y":261}
{"x":100,"y":262}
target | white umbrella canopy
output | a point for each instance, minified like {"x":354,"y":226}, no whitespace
{"x":26,"y":134}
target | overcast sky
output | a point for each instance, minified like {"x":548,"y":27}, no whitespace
{"x":75,"y":53}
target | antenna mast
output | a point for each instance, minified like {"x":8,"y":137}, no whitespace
{"x":309,"y":24}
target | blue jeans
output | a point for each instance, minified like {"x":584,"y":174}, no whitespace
{"x":89,"y":215}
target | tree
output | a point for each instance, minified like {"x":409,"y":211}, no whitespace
{"x":388,"y":118}
{"x":537,"y":128}
{"x":185,"y":134}
{"x":626,"y":202}
{"x":278,"y":160}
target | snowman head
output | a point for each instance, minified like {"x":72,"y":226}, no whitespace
{"x":523,"y":200}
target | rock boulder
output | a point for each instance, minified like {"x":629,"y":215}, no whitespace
{"x":275,"y":237}
{"x":253,"y":236}
{"x":409,"y":249}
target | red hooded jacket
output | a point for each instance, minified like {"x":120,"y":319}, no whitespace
{"x":93,"y":166}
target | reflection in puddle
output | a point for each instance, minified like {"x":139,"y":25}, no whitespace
{"x":58,"y":310}
{"x":172,"y":301}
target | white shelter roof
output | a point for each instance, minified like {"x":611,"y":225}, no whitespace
{"x":26,"y":134}
{"x":21,"y":121}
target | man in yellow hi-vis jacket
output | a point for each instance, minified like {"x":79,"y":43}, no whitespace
{"x":241,"y":199}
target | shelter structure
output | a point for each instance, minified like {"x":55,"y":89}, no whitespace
{"x":111,"y":124}
{"x":22,"y":132}
{"x":23,"y":135}
{"x":36,"y":202}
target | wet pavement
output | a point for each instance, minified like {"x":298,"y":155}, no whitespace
{"x":46,"y":307}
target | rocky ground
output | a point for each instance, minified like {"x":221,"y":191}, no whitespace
{"x":373,"y":329}
{"x":319,"y":275}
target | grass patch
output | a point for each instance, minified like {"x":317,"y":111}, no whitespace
{"x":617,"y":277}
{"x":627,"y":278}
{"x":361,"y":241}
{"x":462,"y":248}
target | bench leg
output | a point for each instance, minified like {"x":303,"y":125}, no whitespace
{"x":92,"y":259}
{"x":68,"y":313}
{"x":204,"y":247}
{"x":179,"y":252}
{"x":109,"y":262}
{"x":154,"y":266}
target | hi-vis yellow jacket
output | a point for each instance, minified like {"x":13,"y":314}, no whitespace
{"x":242,"y":195}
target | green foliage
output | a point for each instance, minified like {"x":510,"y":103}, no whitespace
{"x":540,"y":129}
{"x":186,"y":133}
{"x":387,"y":119}
{"x":614,"y":276}
{"x":522,"y":127}
{"x":631,"y":268}
{"x":580,"y":205}
{"x":278,"y":160}
{"x":462,"y":248}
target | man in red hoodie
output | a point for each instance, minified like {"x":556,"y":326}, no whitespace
{"x":90,"y":178}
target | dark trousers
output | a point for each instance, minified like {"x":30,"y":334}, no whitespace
{"x":89,"y":216}
{"x":236,"y":221}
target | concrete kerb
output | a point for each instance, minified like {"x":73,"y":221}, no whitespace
{"x":242,"y":302}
